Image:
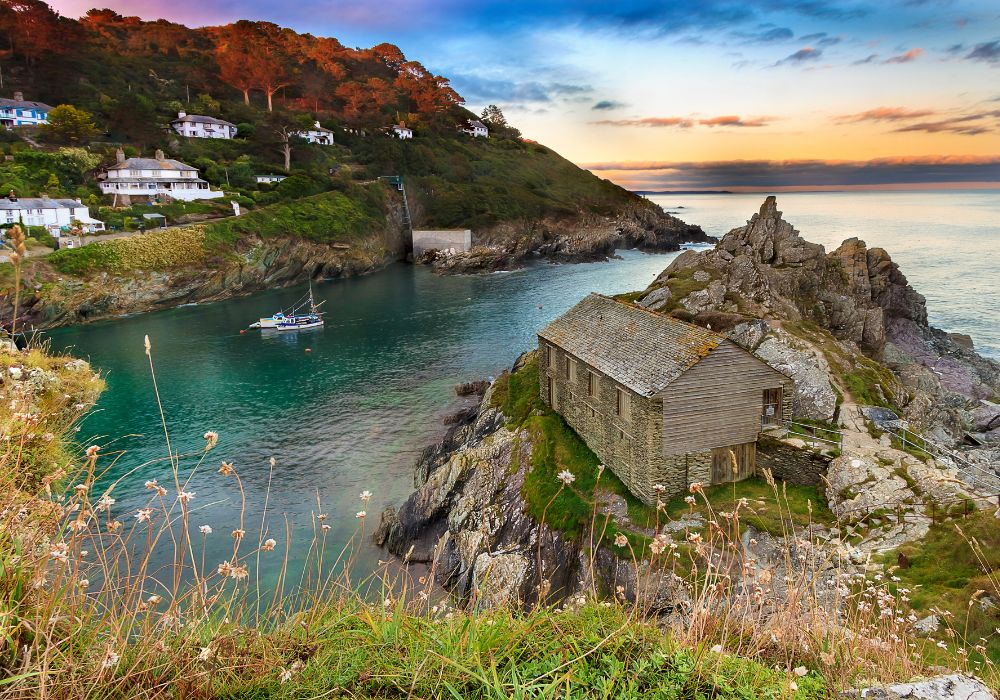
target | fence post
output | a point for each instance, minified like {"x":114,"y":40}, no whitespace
{"x":933,"y":512}
{"x":899,"y":512}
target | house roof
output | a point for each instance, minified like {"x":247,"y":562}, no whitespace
{"x":476,"y":124}
{"x":201,"y":119}
{"x":151,"y":164}
{"x":24,"y":104}
{"x":642,"y":350}
{"x":38,"y":203}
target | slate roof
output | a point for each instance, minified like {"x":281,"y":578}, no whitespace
{"x":151,"y":164}
{"x":476,"y":123}
{"x":201,"y":119}
{"x":24,"y":104}
{"x":641,"y":350}
{"x":38,"y":203}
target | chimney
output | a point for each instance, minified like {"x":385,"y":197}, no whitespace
{"x":19,"y":96}
{"x":181,"y":115}
{"x":402,"y":124}
{"x":159,"y":154}
{"x":120,"y":155}
{"x":317,"y":124}
{"x":11,"y":196}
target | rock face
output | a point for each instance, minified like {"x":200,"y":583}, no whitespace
{"x":585,"y":238}
{"x":953,"y":687}
{"x":814,"y":397}
{"x":765,"y":269}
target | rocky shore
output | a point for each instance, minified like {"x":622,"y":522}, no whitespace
{"x":586,"y":238}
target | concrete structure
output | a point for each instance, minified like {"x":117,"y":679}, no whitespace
{"x":447,"y":241}
{"x":21,"y":112}
{"x":659,"y":401}
{"x":197,"y":126}
{"x":155,"y":177}
{"x":270,"y":179}
{"x":317,"y":134}
{"x":401,"y":131}
{"x":475,"y":128}
{"x":56,"y":215}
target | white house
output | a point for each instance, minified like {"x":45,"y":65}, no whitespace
{"x":201,"y":127}
{"x":54,"y":214}
{"x":152,"y":177}
{"x":474,"y":128}
{"x":270,"y":178}
{"x":402,"y":131}
{"x":317,"y":134}
{"x":22,"y":112}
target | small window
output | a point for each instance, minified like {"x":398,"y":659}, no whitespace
{"x":619,"y":402}
{"x":621,"y":434}
{"x":591,"y":384}
{"x":571,"y":370}
{"x":550,"y":357}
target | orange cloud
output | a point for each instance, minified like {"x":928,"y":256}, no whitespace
{"x":884,"y":114}
{"x":736,"y":121}
{"x":906,"y":57}
{"x":688,"y":122}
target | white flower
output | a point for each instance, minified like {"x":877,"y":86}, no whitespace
{"x":286,"y":675}
{"x":268,"y":545}
{"x":360,"y":515}
{"x":110,"y":661}
{"x":205,"y":529}
{"x":143,"y":514}
{"x":566,"y":476}
{"x":689,"y":500}
{"x":793,"y":686}
{"x":211,"y":437}
{"x":800,"y":671}
{"x":81,"y":489}
{"x":92,"y":450}
{"x":659,"y":488}
{"x":154,"y":599}
{"x":717,"y":649}
{"x":185,"y":497}
{"x":105,"y":503}
{"x":151,"y":484}
{"x":325,"y":527}
{"x":206,"y":654}
{"x":620,"y":540}
{"x":366,"y":496}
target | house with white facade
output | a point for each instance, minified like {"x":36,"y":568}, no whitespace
{"x":21,"y":112}
{"x":155,"y":177}
{"x":197,"y":126}
{"x":317,"y":134}
{"x":401,"y":131}
{"x":474,"y":128}
{"x":54,"y":214}
{"x":270,"y":178}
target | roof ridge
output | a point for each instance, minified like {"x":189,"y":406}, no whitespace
{"x":658,"y":315}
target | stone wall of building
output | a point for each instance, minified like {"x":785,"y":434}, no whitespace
{"x":791,"y":464}
{"x":459,"y":240}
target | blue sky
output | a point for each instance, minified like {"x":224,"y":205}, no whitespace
{"x":691,"y":94}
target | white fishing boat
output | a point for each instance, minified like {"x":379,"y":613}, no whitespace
{"x":293,"y":320}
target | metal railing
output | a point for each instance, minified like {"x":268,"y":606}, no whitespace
{"x":814,"y":434}
{"x":919,"y":443}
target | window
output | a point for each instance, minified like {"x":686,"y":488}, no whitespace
{"x":591,"y":384}
{"x":771,"y":414}
{"x":550,"y":356}
{"x":621,"y":402}
{"x":572,"y":371}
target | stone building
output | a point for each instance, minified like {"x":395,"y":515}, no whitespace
{"x":659,"y":401}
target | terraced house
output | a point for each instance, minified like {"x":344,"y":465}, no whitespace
{"x":659,"y":401}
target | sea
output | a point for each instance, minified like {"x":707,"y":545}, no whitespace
{"x":348,"y":408}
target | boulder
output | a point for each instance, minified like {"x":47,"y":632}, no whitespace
{"x":749,"y":334}
{"x":954,"y":687}
{"x":656,"y":299}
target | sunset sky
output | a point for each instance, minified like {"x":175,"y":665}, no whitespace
{"x":696,"y":94}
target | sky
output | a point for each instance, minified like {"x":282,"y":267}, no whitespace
{"x":697,"y":94}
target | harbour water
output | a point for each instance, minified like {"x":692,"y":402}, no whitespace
{"x":353,"y":412}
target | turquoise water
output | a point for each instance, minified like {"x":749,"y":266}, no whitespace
{"x":946,"y":243}
{"x":350,"y":415}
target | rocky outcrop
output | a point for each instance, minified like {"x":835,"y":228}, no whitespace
{"x":814,"y":397}
{"x":584,"y":238}
{"x":954,"y":687}
{"x":766,"y":270}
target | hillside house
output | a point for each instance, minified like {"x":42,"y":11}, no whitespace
{"x":57,"y":215}
{"x":317,"y":134}
{"x":659,"y":401}
{"x":401,"y":131}
{"x":21,"y":112}
{"x":474,"y":128}
{"x":270,"y":179}
{"x":197,"y":126}
{"x":155,"y":177}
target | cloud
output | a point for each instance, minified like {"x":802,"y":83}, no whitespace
{"x":966,"y":124}
{"x":884,"y":114}
{"x":802,"y":56}
{"x":688,"y":122}
{"x":905,"y":57}
{"x":821,"y":39}
{"x":988,"y":52}
{"x":758,"y":174}
{"x":608,"y":105}
{"x":871,"y":58}
{"x":766,"y":34}
{"x":478,"y":89}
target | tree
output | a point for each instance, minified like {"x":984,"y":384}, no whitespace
{"x":493,"y":117}
{"x":281,"y":130}
{"x":233,"y":55}
{"x":69,"y":125}
{"x":133,"y":118}
{"x":268,"y":64}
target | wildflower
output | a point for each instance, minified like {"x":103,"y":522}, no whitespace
{"x":717,"y":649}
{"x":942,"y":644}
{"x":152,"y":484}
{"x":225,"y":569}
{"x":154,"y":599}
{"x":321,"y":517}
{"x":110,"y":660}
{"x":226,"y":468}
{"x":620,"y":540}
{"x":325,"y":527}
{"x":286,"y":675}
{"x":600,"y":468}
{"x":80,"y":489}
{"x":146,"y":343}
{"x":694,"y":537}
{"x":238,"y":534}
{"x":115,"y":526}
{"x":793,"y":686}
{"x":143,"y":515}
{"x":360,"y":515}
{"x":800,"y":671}
{"x":185,"y":497}
{"x":658,"y":544}
{"x":206,"y":654}
{"x":239,"y":572}
{"x":696,"y":487}
{"x":566,"y":476}
{"x":78,"y":525}
{"x":92,"y":451}
{"x":366,"y":496}
{"x":272,"y":461}
{"x":211,"y":438}
{"x":659,"y":489}
{"x":268,"y":545}
{"x":205,"y":529}
{"x":83,"y":583}
{"x":105,"y":503}
{"x":689,"y":500}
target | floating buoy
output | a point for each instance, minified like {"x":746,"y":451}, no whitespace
{"x":242,"y":331}
{"x":309,"y":349}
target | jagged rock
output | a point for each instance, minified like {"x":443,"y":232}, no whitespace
{"x":749,"y":334}
{"x":858,"y":485}
{"x":962,"y":340}
{"x":497,"y":580}
{"x":953,"y":687}
{"x":814,"y":397}
{"x":985,"y":417}
{"x":657,"y":299}
{"x":472,"y":388}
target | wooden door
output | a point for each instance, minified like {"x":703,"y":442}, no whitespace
{"x":723,"y":470}
{"x":771,"y":410}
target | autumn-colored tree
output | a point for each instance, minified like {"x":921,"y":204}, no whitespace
{"x":69,"y":125}
{"x":233,"y":54}
{"x":268,"y":67}
{"x":365,"y":101}
{"x":33,"y":28}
